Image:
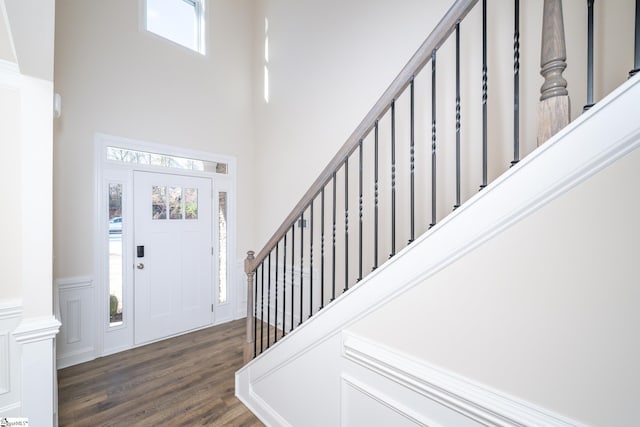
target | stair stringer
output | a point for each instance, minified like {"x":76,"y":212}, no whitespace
{"x":297,"y":382}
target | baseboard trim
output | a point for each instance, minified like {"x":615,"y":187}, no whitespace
{"x":466,"y":397}
{"x":75,"y":358}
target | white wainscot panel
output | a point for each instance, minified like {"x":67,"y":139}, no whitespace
{"x":77,"y":339}
{"x":362,"y":405}
{"x":10,"y":317}
{"x":381,"y":384}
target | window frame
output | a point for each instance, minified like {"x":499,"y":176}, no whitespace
{"x":200,"y":11}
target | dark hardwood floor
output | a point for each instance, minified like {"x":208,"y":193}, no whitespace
{"x":187,"y":380}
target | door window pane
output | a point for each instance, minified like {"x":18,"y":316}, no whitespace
{"x":175,"y":202}
{"x":158,"y":202}
{"x":191,"y":203}
{"x":222,"y":247}
{"x":115,"y":254}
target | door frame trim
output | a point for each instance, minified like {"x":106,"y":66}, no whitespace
{"x":111,"y":340}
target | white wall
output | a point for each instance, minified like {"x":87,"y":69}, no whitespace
{"x":6,"y":46}
{"x":117,"y":79}
{"x":32,"y":30}
{"x":329,"y":62}
{"x":545,"y":311}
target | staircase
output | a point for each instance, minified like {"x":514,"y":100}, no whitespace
{"x":432,"y":335}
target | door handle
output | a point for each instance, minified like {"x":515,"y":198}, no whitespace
{"x":140,"y":266}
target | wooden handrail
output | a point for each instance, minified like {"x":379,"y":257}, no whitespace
{"x":433,"y":42}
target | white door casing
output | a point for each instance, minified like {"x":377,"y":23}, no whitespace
{"x":104,"y":337}
{"x":173,"y":280}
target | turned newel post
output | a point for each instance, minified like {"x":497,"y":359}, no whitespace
{"x":249,"y":270}
{"x":553,"y":110}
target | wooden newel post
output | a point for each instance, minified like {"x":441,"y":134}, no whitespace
{"x":553,"y":110}
{"x":248,"y":269}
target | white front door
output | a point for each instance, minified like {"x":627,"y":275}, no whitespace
{"x":173,"y":283}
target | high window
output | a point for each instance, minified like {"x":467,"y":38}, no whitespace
{"x":181,"y":21}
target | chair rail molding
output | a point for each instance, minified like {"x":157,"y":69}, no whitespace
{"x":10,"y":308}
{"x":36,"y":329}
{"x":464,"y":396}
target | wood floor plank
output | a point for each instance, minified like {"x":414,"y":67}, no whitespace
{"x":186,"y":380}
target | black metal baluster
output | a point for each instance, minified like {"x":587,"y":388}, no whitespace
{"x":433,"y":139}
{"x":293,"y":252}
{"x":301,"y":265}
{"x":311,"y":258}
{"x":516,"y":86}
{"x":255,"y":315}
{"x":262,"y":307}
{"x":346,"y":224}
{"x":457,"y":205}
{"x":333,"y":254}
{"x":268,"y":300}
{"x":589,"y":55}
{"x":393,"y":178}
{"x":275,"y":311}
{"x":322,"y":249}
{"x":360,"y":211}
{"x":284,"y":286}
{"x":375,"y":196}
{"x":636,"y":51}
{"x":412,"y":165}
{"x":484,"y":94}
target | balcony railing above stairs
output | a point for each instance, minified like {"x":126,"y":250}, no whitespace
{"x":351,"y":214}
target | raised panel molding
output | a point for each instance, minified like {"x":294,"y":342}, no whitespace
{"x":364,"y":405}
{"x":74,"y":314}
{"x":5,"y":360}
{"x":461,"y":395}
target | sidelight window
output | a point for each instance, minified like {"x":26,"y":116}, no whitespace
{"x":222,"y":247}
{"x":115,"y":254}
